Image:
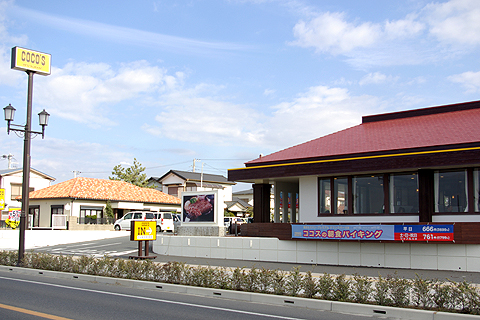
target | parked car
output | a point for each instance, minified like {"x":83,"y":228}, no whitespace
{"x":165,"y":221}
{"x":227,"y":221}
{"x":124,"y":222}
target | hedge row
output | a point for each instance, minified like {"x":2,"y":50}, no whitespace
{"x":442,"y":295}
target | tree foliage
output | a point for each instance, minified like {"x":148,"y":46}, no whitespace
{"x":133,"y":174}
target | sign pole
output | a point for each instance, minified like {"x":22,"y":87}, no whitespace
{"x":141,"y":231}
{"x":26,"y":171}
{"x":31,"y":62}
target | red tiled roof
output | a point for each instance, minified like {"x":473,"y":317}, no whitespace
{"x":101,"y":189}
{"x":404,"y":132}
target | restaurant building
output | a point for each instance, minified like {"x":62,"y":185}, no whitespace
{"x":390,"y":191}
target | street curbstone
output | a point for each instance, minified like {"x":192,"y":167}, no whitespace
{"x":298,"y":302}
{"x":381,"y":311}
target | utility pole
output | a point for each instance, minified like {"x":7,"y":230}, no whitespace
{"x":194,"y":162}
{"x":75,"y":172}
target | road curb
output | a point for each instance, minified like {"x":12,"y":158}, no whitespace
{"x":298,"y":302}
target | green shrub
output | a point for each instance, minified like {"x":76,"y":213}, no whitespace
{"x":381,"y":295}
{"x":361,"y":288}
{"x":398,"y":289}
{"x":325,"y":286}
{"x":341,"y":288}
{"x":294,"y":282}
{"x":422,"y":292}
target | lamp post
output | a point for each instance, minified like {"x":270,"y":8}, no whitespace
{"x":26,"y":132}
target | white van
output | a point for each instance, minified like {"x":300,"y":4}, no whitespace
{"x":124,"y":222}
{"x":164,"y":221}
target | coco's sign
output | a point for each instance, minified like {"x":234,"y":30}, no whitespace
{"x":29,"y":60}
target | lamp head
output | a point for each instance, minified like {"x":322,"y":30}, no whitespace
{"x":9,"y":112}
{"x":43,"y":118}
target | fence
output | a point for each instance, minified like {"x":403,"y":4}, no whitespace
{"x":59,"y":221}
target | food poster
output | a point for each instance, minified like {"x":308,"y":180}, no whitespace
{"x":199,"y":208}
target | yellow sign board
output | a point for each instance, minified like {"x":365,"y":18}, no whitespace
{"x":2,"y":199}
{"x":29,"y":60}
{"x":143,"y":230}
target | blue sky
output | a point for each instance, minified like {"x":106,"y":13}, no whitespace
{"x":223,"y":81}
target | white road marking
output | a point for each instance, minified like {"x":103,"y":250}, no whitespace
{"x":154,"y":299}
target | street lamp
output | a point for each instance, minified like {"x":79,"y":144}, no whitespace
{"x":26,"y":132}
{"x":9,"y":112}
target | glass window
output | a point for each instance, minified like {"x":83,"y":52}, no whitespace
{"x":324,"y":196}
{"x":57,"y":210}
{"x":451,"y":191}
{"x":404,"y":193}
{"x":368,"y":194}
{"x":340,"y":187}
{"x":173,"y":191}
{"x":16,"y":190}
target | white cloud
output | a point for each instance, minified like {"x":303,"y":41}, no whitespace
{"x":330,"y":32}
{"x":438,"y":31}
{"x":195,"y":115}
{"x":7,"y":41}
{"x":455,"y":21}
{"x":319,"y":111}
{"x":403,"y":28}
{"x":269,"y":92}
{"x":376,"y":78}
{"x":470,"y":80}
{"x":59,"y":157}
{"x":152,"y":130}
{"x":82,"y":92}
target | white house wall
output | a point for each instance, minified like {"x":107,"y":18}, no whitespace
{"x":172,"y":179}
{"x":36,"y":181}
{"x":45,"y":210}
{"x":127,"y":205}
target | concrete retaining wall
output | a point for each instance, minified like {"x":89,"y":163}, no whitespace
{"x":459,"y":257}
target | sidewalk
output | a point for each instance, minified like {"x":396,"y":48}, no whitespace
{"x":9,"y":239}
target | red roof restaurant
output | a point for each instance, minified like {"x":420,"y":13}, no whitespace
{"x":395,"y":190}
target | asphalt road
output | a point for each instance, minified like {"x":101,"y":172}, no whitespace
{"x":122,"y":247}
{"x":42,"y":297}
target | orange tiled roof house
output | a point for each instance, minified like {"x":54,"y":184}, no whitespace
{"x":82,"y":199}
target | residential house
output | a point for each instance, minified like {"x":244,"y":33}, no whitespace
{"x":11,"y":180}
{"x":238,"y":207}
{"x":82,"y":199}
